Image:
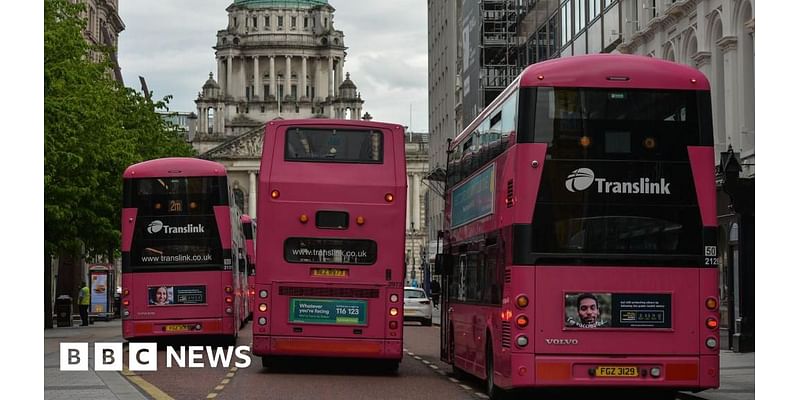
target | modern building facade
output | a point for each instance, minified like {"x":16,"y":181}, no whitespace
{"x":275,"y":59}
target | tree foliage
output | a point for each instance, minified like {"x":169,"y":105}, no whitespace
{"x":94,"y":128}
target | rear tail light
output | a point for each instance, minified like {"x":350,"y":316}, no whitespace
{"x":711,"y":303}
{"x":522,"y":301}
{"x":262,"y":307}
{"x":126,"y":302}
{"x":506,"y":315}
{"x":425,"y":302}
{"x":229,"y":299}
{"x":393,"y":311}
{"x":522,"y":321}
{"x":252,"y":292}
{"x":712,"y":323}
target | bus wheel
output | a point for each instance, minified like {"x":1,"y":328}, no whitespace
{"x":494,"y":392}
{"x":268,"y":362}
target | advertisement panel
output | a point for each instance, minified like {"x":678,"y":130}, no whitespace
{"x":474,"y":198}
{"x":618,"y":310}
{"x":99,"y":292}
{"x":171,"y":295}
{"x":332,"y":312}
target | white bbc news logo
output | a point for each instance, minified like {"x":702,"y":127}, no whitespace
{"x":144,"y":356}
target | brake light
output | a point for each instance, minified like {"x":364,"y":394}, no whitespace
{"x":522,"y":321}
{"x":506,"y":315}
{"x":712,"y":323}
{"x":229,"y":299}
{"x":425,"y":302}
{"x":126,"y":303}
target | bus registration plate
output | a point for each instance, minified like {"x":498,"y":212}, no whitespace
{"x":329,"y":272}
{"x":616,"y":371}
{"x":177,"y":328}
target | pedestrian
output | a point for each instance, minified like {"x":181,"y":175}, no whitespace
{"x":436,"y":290}
{"x":83,"y":303}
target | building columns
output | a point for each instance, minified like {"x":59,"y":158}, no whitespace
{"x":243,"y":78}
{"x":730,"y":56}
{"x":221,"y":75}
{"x":329,"y":76}
{"x":256,"y":78}
{"x":409,"y":197}
{"x":287,"y":87}
{"x":415,"y":204}
{"x":251,"y":203}
{"x":302,"y":89}
{"x":272,"y":80}
{"x":339,"y":68}
{"x":228,"y":76}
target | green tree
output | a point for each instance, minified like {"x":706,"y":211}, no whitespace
{"x":93,"y":129}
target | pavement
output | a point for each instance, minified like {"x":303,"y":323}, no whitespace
{"x":737,"y":375}
{"x":89,"y":385}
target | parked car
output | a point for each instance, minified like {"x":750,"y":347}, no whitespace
{"x":417,"y":306}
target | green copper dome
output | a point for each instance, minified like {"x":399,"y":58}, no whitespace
{"x":278,"y":3}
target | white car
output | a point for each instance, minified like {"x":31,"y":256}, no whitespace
{"x":417,"y":306}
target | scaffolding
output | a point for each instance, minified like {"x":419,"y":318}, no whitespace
{"x":499,"y":47}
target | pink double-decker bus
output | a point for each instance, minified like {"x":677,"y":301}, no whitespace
{"x":329,"y":277}
{"x":580,"y":233}
{"x":183,"y":251}
{"x":249,"y":230}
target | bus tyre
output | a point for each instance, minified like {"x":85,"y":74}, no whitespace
{"x":391,"y":366}
{"x":267,"y":362}
{"x":494,"y":392}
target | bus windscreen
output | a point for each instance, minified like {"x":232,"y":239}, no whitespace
{"x":175,"y":225}
{"x":618,"y":179}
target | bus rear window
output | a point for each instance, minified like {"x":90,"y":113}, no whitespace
{"x":334,"y":145}
{"x":330,"y":251}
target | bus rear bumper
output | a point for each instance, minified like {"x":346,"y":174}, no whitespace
{"x":327,"y":347}
{"x":670,"y":373}
{"x":178,"y":327}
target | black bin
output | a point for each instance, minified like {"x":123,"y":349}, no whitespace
{"x":64,"y":311}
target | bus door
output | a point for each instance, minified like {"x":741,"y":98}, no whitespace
{"x":444,"y":267}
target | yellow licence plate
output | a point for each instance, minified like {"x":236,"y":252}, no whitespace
{"x":616,"y":371}
{"x":176,"y":328}
{"x":329,"y":272}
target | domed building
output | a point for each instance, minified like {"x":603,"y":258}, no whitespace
{"x":275,"y":59}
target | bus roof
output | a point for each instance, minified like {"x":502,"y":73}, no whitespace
{"x":180,"y":166}
{"x":614,"y":71}
{"x":275,"y":124}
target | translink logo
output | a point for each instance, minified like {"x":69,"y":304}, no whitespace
{"x":157,"y":226}
{"x":581,"y":178}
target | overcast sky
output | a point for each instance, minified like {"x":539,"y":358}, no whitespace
{"x":169,"y":42}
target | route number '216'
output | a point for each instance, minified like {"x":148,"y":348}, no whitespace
{"x":711,"y":255}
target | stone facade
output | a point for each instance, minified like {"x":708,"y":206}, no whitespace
{"x":417,"y":253}
{"x":275,"y":59}
{"x":103,"y":26}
